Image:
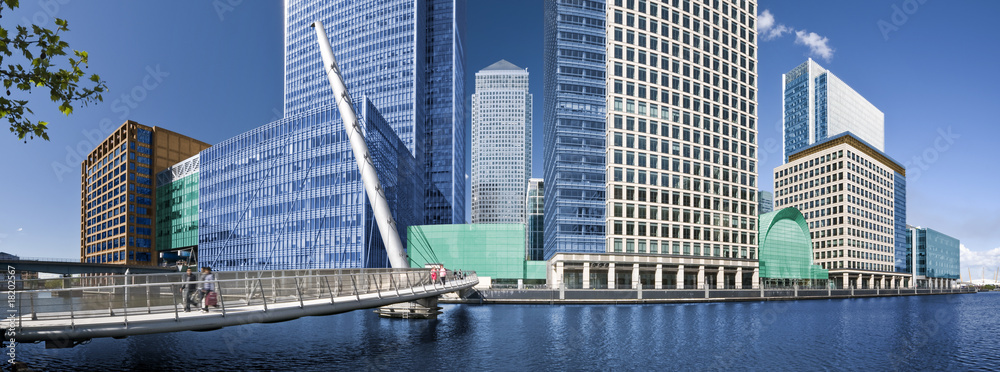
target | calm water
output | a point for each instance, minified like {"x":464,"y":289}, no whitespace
{"x":954,"y":332}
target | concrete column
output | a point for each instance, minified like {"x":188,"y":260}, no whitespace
{"x":701,"y":277}
{"x":680,"y":276}
{"x":586,"y":275}
{"x":636,"y":282}
{"x":847,"y":281}
{"x":559,"y":275}
{"x":756,"y":278}
{"x":658,"y":277}
{"x":739,"y":277}
{"x":611,"y":276}
{"x":720,"y":278}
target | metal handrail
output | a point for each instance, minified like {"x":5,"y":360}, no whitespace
{"x":119,"y":298}
{"x":166,"y":283}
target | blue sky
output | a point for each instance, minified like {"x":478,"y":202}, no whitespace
{"x":212,"y":73}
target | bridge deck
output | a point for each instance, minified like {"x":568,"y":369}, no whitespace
{"x":78,"y":319}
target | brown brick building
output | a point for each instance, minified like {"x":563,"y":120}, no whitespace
{"x":118,"y":192}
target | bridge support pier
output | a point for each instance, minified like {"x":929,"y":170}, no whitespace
{"x":424,"y":308}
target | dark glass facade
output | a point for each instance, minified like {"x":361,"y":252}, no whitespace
{"x":408,"y":58}
{"x":288,"y":195}
{"x":900,"y":235}
{"x":574,"y":126}
{"x":444,"y":133}
{"x":535,"y":220}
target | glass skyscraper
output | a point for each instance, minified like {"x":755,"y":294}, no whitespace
{"x":444,"y":133}
{"x":408,"y":58}
{"x":501,"y":144}
{"x":574,"y":129}
{"x":818,"y":105}
{"x":680,"y":184}
{"x":288,"y":195}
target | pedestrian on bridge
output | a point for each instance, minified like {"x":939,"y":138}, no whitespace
{"x":443,"y":273}
{"x":189,"y":289}
{"x":208,"y":288}
{"x":434,"y":275}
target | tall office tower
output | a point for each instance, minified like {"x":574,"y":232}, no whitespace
{"x":534,"y":227}
{"x":818,"y":105}
{"x":117,"y":198}
{"x":765,"y":202}
{"x":501,"y":144}
{"x":574,"y":115}
{"x":681,"y":137}
{"x":408,"y":58}
{"x":289,"y":195}
{"x":932,"y":258}
{"x":854,"y":198}
{"x":444,"y":134}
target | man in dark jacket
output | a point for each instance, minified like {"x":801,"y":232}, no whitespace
{"x":189,"y":288}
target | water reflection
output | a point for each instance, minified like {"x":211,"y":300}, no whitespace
{"x":955,"y":332}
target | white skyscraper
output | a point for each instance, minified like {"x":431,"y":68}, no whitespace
{"x":818,"y":105}
{"x":501,"y":143}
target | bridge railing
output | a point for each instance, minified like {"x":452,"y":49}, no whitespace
{"x":106,"y":280}
{"x":139,"y":295}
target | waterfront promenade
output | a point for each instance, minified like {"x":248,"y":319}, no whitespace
{"x":652,"y":296}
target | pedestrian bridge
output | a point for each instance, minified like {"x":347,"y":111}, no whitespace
{"x":125,"y":305}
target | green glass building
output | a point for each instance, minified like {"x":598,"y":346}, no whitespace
{"x":177,"y":209}
{"x":491,"y":250}
{"x":786,"y":255}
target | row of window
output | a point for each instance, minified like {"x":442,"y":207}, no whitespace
{"x":683,"y":248}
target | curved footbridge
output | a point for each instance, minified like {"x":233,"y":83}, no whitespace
{"x":125,"y":305}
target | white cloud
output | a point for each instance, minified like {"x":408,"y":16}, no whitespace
{"x":971,"y":259}
{"x":20,"y":228}
{"x":817,"y":44}
{"x":767,"y":28}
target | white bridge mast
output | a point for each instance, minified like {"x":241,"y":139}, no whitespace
{"x":374,"y":190}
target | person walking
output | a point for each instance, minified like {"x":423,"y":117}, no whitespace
{"x":434,"y":275}
{"x":189,"y":289}
{"x":208,"y":288}
{"x":443,"y":274}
